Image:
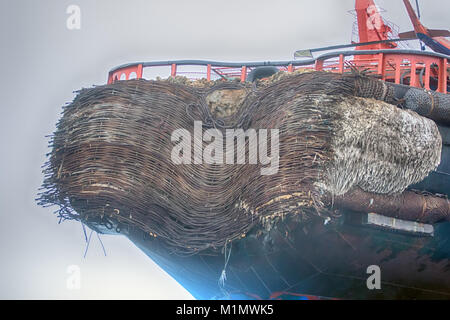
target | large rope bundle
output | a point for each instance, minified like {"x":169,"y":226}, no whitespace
{"x":111,"y":155}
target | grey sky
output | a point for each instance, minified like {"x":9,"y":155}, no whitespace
{"x":42,"y":63}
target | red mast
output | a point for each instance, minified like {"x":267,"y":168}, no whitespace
{"x":371,"y":26}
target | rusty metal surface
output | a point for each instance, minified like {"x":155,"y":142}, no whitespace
{"x":409,"y":205}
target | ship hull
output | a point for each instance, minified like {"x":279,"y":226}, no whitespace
{"x":328,"y":260}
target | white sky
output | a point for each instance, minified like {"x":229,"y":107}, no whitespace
{"x":42,"y":62}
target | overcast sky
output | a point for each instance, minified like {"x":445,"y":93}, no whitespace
{"x":43,"y":62}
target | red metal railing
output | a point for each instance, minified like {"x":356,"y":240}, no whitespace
{"x":125,"y":73}
{"x":414,"y":68}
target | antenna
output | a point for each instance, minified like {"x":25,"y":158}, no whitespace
{"x":417,"y":8}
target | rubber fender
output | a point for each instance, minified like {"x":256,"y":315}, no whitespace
{"x":261,"y":72}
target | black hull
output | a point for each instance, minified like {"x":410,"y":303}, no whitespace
{"x":323,"y":260}
{"x":438,"y":181}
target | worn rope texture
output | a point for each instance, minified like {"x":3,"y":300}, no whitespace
{"x":110,"y":162}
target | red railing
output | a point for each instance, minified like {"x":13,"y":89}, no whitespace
{"x":414,"y":68}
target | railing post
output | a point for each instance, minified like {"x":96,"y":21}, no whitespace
{"x":319,"y":65}
{"x":380,"y":70}
{"x":341,"y":63}
{"x":139,"y":71}
{"x":442,"y":78}
{"x":110,"y":77}
{"x":208,"y":72}
{"x":173,"y":71}
{"x":413,"y":75}
{"x":398,"y":69}
{"x":243,"y":73}
{"x":427,"y":75}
